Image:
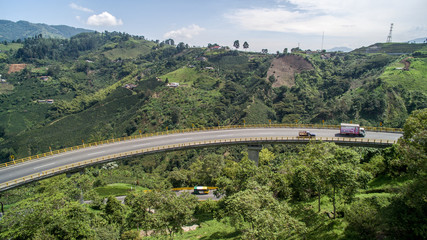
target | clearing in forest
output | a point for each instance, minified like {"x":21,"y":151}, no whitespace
{"x":284,"y":68}
{"x":16,"y":68}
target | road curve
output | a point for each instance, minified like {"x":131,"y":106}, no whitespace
{"x":38,"y":166}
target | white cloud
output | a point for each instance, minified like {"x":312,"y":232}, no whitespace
{"x":349,"y":18}
{"x":80,"y":8}
{"x":185,"y":32}
{"x":104,"y":19}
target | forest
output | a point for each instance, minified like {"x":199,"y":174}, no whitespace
{"x":317,"y":191}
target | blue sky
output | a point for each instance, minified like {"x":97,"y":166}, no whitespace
{"x":270,"y":24}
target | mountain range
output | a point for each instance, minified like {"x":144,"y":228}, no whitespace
{"x":10,"y":30}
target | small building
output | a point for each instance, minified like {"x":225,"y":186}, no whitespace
{"x":216,"y":47}
{"x":44,"y":78}
{"x":203,"y":59}
{"x":209,"y":68}
{"x":50,"y":101}
{"x":130,"y":86}
{"x":173,"y":84}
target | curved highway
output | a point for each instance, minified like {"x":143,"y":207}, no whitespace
{"x":18,"y":174}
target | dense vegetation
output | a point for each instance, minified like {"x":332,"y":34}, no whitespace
{"x":365,"y":193}
{"x":85,"y":76}
{"x":318,"y":191}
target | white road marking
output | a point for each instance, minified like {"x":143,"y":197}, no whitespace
{"x":44,"y":165}
{"x":140,"y":145}
{"x":95,"y":153}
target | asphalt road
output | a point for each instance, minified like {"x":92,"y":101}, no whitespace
{"x":201,"y":197}
{"x":43,"y":164}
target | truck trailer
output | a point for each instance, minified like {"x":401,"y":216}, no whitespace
{"x":352,"y":129}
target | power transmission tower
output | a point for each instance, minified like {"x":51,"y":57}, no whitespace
{"x":389,"y":34}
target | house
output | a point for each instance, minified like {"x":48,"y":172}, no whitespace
{"x":130,"y":86}
{"x":173,"y":84}
{"x":44,"y":78}
{"x":215,"y":47}
{"x":203,"y":59}
{"x":49,"y":101}
{"x":209,"y":68}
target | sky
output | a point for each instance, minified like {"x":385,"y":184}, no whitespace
{"x":264,"y":24}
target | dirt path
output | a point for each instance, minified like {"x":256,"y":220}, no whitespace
{"x":407,"y":63}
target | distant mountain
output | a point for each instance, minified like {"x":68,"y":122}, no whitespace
{"x":22,"y":29}
{"x":339,"y":49}
{"x":419,"y":40}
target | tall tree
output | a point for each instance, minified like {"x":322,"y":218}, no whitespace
{"x":245,"y":45}
{"x":236,"y":44}
{"x":260,"y":215}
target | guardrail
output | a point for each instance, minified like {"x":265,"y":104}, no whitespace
{"x":69,"y":167}
{"x":320,"y":126}
{"x":191,"y":188}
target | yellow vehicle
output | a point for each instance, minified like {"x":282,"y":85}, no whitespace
{"x":201,"y":190}
{"x":306,"y":134}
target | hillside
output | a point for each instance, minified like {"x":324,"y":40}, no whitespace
{"x":57,"y":93}
{"x":283,"y":69}
{"x":86,"y":77}
{"x":12,"y":31}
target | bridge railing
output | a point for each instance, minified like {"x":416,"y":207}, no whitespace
{"x":320,"y":126}
{"x":108,"y":158}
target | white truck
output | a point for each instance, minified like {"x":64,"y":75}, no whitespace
{"x":352,"y":129}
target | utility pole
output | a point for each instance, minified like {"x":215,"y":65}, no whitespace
{"x":389,"y":34}
{"x":323,"y":38}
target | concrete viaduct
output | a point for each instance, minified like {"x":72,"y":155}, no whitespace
{"x":34,"y":168}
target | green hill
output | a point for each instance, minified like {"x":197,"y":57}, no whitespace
{"x":87,"y":75}
{"x":57,"y":93}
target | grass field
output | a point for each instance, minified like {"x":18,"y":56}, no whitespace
{"x":131,"y":49}
{"x":5,"y":88}
{"x":183,"y":75}
{"x":13,"y":46}
{"x":117,"y":189}
{"x":414,"y":79}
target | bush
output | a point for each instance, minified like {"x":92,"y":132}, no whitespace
{"x":207,"y":207}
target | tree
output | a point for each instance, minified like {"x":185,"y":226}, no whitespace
{"x":2,"y":131}
{"x":317,"y":157}
{"x":207,"y":170}
{"x":236,"y":44}
{"x":163,"y":211}
{"x":170,"y":42}
{"x":406,"y":216}
{"x":245,"y":45}
{"x":48,"y":215}
{"x":329,"y":170}
{"x":345,"y":175}
{"x":265,"y":51}
{"x":181,"y":46}
{"x":114,"y":211}
{"x":261,"y":216}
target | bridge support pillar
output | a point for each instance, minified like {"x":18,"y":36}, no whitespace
{"x":253,"y":153}
{"x":81,"y":171}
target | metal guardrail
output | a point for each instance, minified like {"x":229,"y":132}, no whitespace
{"x":69,"y":167}
{"x":320,"y":126}
{"x":191,"y":188}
